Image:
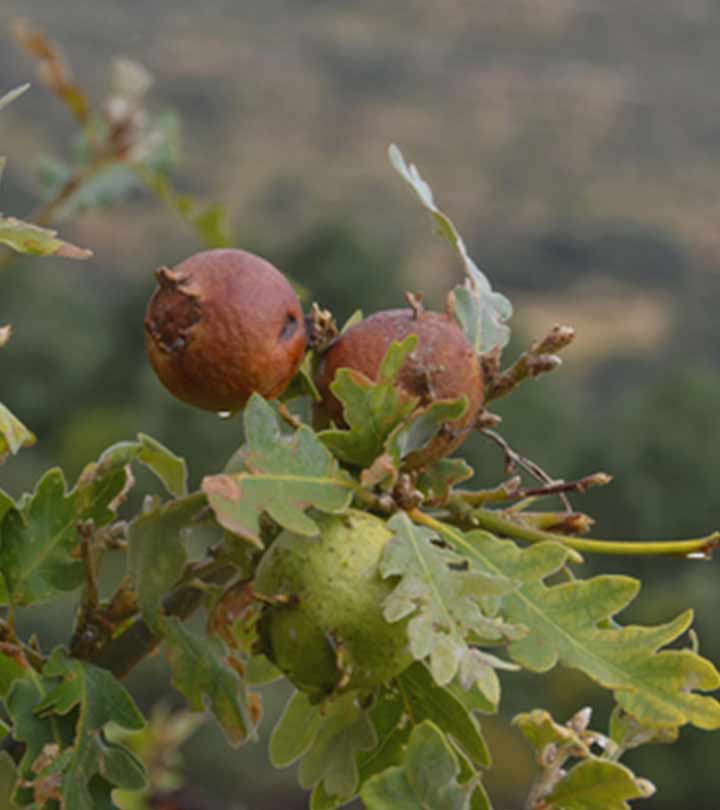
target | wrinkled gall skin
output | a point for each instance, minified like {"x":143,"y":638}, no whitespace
{"x":442,"y":366}
{"x":222,"y":325}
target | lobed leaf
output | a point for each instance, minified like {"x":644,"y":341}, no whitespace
{"x":480,"y":310}
{"x":372,"y":409}
{"x":392,"y":733}
{"x":572,"y":623}
{"x":283,"y":475}
{"x":345,"y":729}
{"x":61,"y":717}
{"x":39,"y":553}
{"x":427,"y":780}
{"x":595,"y":784}
{"x":202,"y":673}
{"x":443,"y":594}
{"x":39,"y":541}
{"x":437,"y":480}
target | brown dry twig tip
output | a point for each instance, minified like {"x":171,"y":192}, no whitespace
{"x":405,"y":493}
{"x":321,"y":327}
{"x":416,"y":303}
{"x":540,"y":358}
{"x":486,"y":420}
{"x":581,"y":485}
{"x":52,"y":68}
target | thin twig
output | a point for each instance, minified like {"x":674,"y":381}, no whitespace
{"x":513,"y":460}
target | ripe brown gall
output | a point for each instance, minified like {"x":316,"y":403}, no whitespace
{"x":222,"y":325}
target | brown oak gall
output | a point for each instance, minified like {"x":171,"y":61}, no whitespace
{"x":222,"y":325}
{"x":442,"y":366}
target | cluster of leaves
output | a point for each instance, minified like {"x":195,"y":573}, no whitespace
{"x":473,"y":603}
{"x":415,"y":739}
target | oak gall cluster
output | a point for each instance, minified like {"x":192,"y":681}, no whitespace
{"x":224,"y":324}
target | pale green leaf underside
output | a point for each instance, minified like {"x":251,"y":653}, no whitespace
{"x":484,"y":310}
{"x":442,"y":594}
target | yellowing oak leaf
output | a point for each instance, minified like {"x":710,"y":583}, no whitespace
{"x":573,"y":623}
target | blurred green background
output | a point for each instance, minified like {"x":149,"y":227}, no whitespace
{"x":576,"y":145}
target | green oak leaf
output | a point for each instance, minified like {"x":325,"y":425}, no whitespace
{"x":39,"y":541}
{"x":424,"y":700}
{"x":13,"y":434}
{"x":437,"y":480}
{"x":295,"y":731}
{"x":444,"y":595}
{"x":572,"y":623}
{"x":69,"y":715}
{"x":281,"y":474}
{"x":202,"y":673}
{"x":427,"y":780}
{"x":372,"y":409}
{"x":421,"y":427}
{"x":392,"y":733}
{"x":480,"y":311}
{"x":24,"y":237}
{"x":345,"y":729}
{"x":158,"y":552}
{"x":170,"y":469}
{"x":595,"y":784}
{"x":39,"y":551}
{"x":95,"y":692}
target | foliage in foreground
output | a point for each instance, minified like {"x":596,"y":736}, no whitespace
{"x":478,"y":588}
